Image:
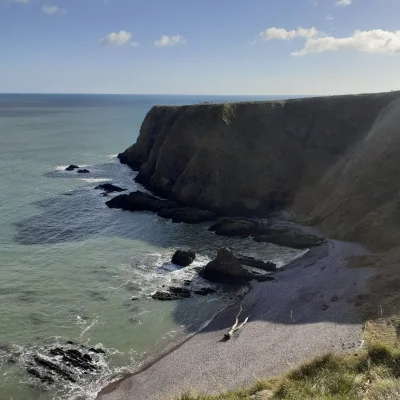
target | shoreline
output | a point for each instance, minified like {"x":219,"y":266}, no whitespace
{"x":225,"y":317}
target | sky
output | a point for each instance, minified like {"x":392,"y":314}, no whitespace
{"x":253,"y":47}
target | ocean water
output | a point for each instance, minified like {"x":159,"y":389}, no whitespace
{"x":69,"y":266}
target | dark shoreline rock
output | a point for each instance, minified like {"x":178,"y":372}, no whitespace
{"x":252,"y":262}
{"x":173,"y":293}
{"x":232,"y":227}
{"x":72,"y":167}
{"x":110,"y":188}
{"x":83,"y":171}
{"x":226,"y":268}
{"x":184,"y":258}
{"x":289,"y":238}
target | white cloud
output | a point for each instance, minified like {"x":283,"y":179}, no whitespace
{"x":50,"y":10}
{"x":376,"y":41}
{"x":170,"y":41}
{"x":283,"y":34}
{"x":120,"y":38}
{"x":343,"y":3}
{"x":330,"y":17}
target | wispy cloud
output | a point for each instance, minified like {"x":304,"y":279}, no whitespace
{"x":170,"y":41}
{"x":121,"y":38}
{"x":343,"y":3}
{"x":50,"y":10}
{"x":283,"y":34}
{"x":22,"y":1}
{"x":376,"y":41}
{"x":330,"y":17}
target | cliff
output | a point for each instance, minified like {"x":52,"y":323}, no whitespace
{"x":327,"y":158}
{"x":332,"y":160}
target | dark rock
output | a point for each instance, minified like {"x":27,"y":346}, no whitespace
{"x":174,"y":293}
{"x":289,"y":238}
{"x":140,"y":201}
{"x":264,"y":278}
{"x":72,"y":167}
{"x":251,"y":262}
{"x":97,"y":350}
{"x":184,"y":257}
{"x":167,"y":213}
{"x":109,"y":188}
{"x":70,"y":342}
{"x":226,"y":268}
{"x":83,"y":171}
{"x":193,"y":216}
{"x":165,"y":296}
{"x":234,"y":227}
{"x":44,"y":378}
{"x":182,"y":292}
{"x":204,"y":291}
{"x":135,"y":298}
{"x":47,"y":364}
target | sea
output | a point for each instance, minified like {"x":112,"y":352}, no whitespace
{"x":74,"y":273}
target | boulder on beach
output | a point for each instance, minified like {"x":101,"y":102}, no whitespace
{"x":72,"y":167}
{"x":140,"y":201}
{"x":83,"y":171}
{"x":184,"y":257}
{"x":109,"y":188}
{"x":226,"y":268}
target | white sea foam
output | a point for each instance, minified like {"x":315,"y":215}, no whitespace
{"x":95,"y":180}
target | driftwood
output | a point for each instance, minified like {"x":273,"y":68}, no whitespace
{"x":236,"y":325}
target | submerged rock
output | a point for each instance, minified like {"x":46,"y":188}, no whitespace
{"x":72,"y":167}
{"x":83,"y":171}
{"x":109,"y":188}
{"x":184,"y":257}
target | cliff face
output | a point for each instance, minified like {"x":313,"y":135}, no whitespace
{"x":249,"y":158}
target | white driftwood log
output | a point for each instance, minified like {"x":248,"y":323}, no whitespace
{"x":236,"y":327}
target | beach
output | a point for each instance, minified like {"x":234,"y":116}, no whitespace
{"x":306,"y":311}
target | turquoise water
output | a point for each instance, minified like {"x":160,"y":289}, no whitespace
{"x":69,"y":266}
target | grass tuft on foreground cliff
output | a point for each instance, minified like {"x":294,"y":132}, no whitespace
{"x":366,"y":375}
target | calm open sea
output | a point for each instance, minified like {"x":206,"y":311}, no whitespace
{"x":69,"y":266}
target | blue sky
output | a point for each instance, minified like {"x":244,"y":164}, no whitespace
{"x":261,"y":47}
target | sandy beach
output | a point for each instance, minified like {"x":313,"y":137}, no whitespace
{"x":304,"y":312}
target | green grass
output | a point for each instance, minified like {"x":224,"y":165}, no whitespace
{"x":367,"y":375}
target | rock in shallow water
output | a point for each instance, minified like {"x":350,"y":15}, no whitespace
{"x":109,"y":188}
{"x":184,"y":257}
{"x":174,"y":293}
{"x":83,"y":171}
{"x":72,"y":167}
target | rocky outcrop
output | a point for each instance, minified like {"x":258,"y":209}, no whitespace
{"x":83,"y":171}
{"x":72,"y":167}
{"x":252,"y":262}
{"x":226,"y":268}
{"x":174,"y":293}
{"x":289,"y":238}
{"x":184,"y":257}
{"x":109,"y":188}
{"x":140,"y":201}
{"x":234,"y":227}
